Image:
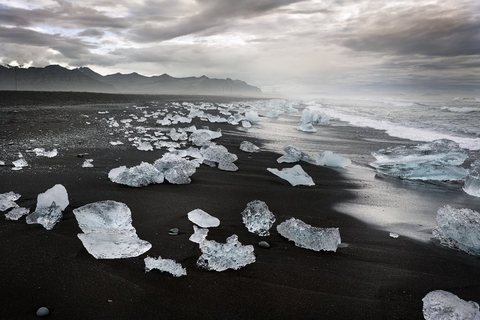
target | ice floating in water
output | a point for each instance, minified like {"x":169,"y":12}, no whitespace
{"x":138,"y":176}
{"x":87,"y":163}
{"x":296,"y":175}
{"x":257,"y":218}
{"x":108,"y":231}
{"x":220,"y":155}
{"x":327,"y":158}
{"x":199,"y":234}
{"x":41,"y":152}
{"x":444,"y":305}
{"x":458,"y":229}
{"x":7,"y":200}
{"x":308,"y":237}
{"x":222,"y":256}
{"x":472,"y":180}
{"x":50,"y":205}
{"x":307,"y":127}
{"x":166,"y":265}
{"x":203,"y":219}
{"x":293,"y":154}
{"x":437,"y":160}
{"x":16,"y":213}
{"x":248,"y":147}
{"x":314,"y":115}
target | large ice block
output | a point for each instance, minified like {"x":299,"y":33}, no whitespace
{"x":472,"y":180}
{"x":137,"y":176}
{"x":314,"y":115}
{"x":444,"y":305}
{"x":203,"y":219}
{"x":308,"y":237}
{"x":7,"y":200}
{"x":108,"y":232}
{"x":458,"y":229}
{"x":258,"y":218}
{"x":57,"y":194}
{"x":296,"y":175}
{"x":166,"y":265}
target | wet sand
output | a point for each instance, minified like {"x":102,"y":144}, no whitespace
{"x":372,"y":276}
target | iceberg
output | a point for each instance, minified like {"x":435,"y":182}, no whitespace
{"x":293,"y":154}
{"x":308,"y":237}
{"x":222,"y":256}
{"x":138,"y":176}
{"x":166,"y":265}
{"x":203,"y":219}
{"x":48,"y":217}
{"x":296,"y":175}
{"x":257,"y":218}
{"x":16,"y":213}
{"x":437,"y":160}
{"x":472,"y":180}
{"x":199,"y":234}
{"x":444,"y":305}
{"x":327,"y":158}
{"x":108,"y":232}
{"x":249,"y":147}
{"x":7,"y":200}
{"x":314,"y":115}
{"x":458,"y":229}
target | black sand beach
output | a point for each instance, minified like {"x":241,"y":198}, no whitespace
{"x":372,"y":276}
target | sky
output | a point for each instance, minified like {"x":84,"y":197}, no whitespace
{"x":322,"y":47}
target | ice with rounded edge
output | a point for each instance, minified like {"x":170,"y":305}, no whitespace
{"x":108,"y":232}
{"x":199,"y":234}
{"x":472,"y":180}
{"x":314,"y":115}
{"x":42,"y":153}
{"x":203,"y":219}
{"x":296,"y":175}
{"x":252,"y":116}
{"x":249,"y":147}
{"x":7,"y":200}
{"x":258,"y":218}
{"x":444,"y":305}
{"x":166,"y":265}
{"x":293,"y":154}
{"x":327,"y":158}
{"x":16,"y":213}
{"x":57,"y":194}
{"x":307,"y":127}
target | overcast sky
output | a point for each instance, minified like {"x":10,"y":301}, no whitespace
{"x":331,"y":46}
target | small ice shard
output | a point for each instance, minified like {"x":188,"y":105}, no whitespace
{"x":203,"y":219}
{"x":444,"y":305}
{"x":41,"y":152}
{"x":252,"y":116}
{"x":116,"y":143}
{"x":176,"y":169}
{"x":393,"y":235}
{"x":2,"y":163}
{"x":327,"y":158}
{"x":308,"y":237}
{"x":296,"y":175}
{"x":138,"y":176}
{"x":199,"y":234}
{"x":222,"y":256}
{"x":48,"y":217}
{"x":57,"y":194}
{"x":293,"y":154}
{"x":19,"y":164}
{"x":248,"y":147}
{"x":145,"y":146}
{"x":472,"y":180}
{"x":7,"y":200}
{"x":166,"y":265}
{"x":220,"y":155}
{"x":16,"y":213}
{"x":257,"y":218}
{"x":246,"y":124}
{"x":180,"y":135}
{"x":314,"y":115}
{"x":436,"y":160}
{"x":458,"y":229}
{"x":108,"y":231}
{"x":307,"y":127}
{"x":202,"y":137}
{"x":87,"y":163}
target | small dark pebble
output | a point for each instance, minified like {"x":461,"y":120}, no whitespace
{"x":173,"y":232}
{"x":264,"y":244}
{"x":42,"y":312}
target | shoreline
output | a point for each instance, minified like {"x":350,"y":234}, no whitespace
{"x":371,"y":276}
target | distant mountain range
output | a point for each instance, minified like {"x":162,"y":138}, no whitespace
{"x":57,"y":78}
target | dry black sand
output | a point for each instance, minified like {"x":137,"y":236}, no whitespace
{"x":373,"y":277}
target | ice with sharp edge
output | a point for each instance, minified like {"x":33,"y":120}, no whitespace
{"x":247,"y":146}
{"x":296,"y":175}
{"x":436,"y":160}
{"x":7,"y":200}
{"x":203,"y":219}
{"x":308,"y":237}
{"x":199,"y":234}
{"x":472,"y":180}
{"x":16,"y":213}
{"x":220,"y":155}
{"x":258,"y":218}
{"x":42,"y":153}
{"x":314,"y":115}
{"x":137,"y":176}
{"x":293,"y":154}
{"x":108,"y":232}
{"x":166,"y":265}
{"x":329,"y":159}
{"x":458,"y":229}
{"x":444,"y":305}
{"x":50,"y":206}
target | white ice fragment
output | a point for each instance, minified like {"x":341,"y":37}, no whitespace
{"x":145,"y":146}
{"x":293,"y":154}
{"x":444,"y":305}
{"x":41,"y":152}
{"x":116,"y":143}
{"x":222,"y":256}
{"x":203,"y":219}
{"x":138,"y":176}
{"x":16,"y":213}
{"x":308,"y":237}
{"x":166,"y":265}
{"x":2,"y":163}
{"x":199,"y":234}
{"x":87,"y":163}
{"x":307,"y":127}
{"x":220,"y":155}
{"x":436,"y":160}
{"x":246,"y":124}
{"x":57,"y":194}
{"x":176,"y":169}
{"x":394,"y":235}
{"x":19,"y":164}
{"x":472,"y":180}
{"x":48,"y":217}
{"x":327,"y":158}
{"x":249,"y":147}
{"x":108,"y":231}
{"x":258,"y":218}
{"x":458,"y":229}
{"x":251,"y":116}
{"x":296,"y":175}
{"x":7,"y":200}
{"x":314,"y":115}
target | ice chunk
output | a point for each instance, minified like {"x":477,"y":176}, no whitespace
{"x":327,"y":158}
{"x":16,"y":213}
{"x":7,"y":200}
{"x":203,"y":137}
{"x":145,"y":146}
{"x":108,"y":231}
{"x":116,"y":143}
{"x":248,"y":147}
{"x":293,"y":154}
{"x":257,"y":218}
{"x":251,"y":116}
{"x":472,"y":180}
{"x":180,"y":135}
{"x":246,"y":124}
{"x":43,"y":153}
{"x":166,"y":265}
{"x":314,"y":115}
{"x":222,"y":256}
{"x":2,"y":163}
{"x":48,"y":217}
{"x":176,"y":169}
{"x":203,"y":219}
{"x":308,"y":237}
{"x":444,"y":305}
{"x":57,"y":194}
{"x":199,"y":234}
{"x":458,"y":229}
{"x":20,"y":163}
{"x":437,"y":160}
{"x":220,"y":155}
{"x":138,"y":176}
{"x":307,"y":127}
{"x":87,"y":163}
{"x":296,"y":175}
